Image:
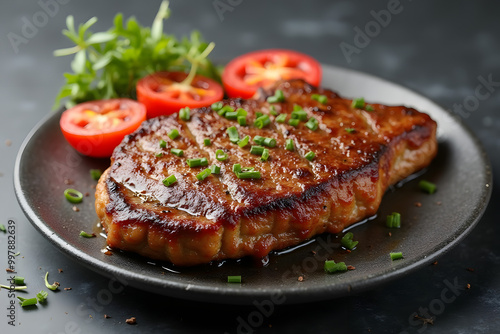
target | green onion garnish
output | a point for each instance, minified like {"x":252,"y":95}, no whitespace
{"x":241,"y":112}
{"x":396,"y":256}
{"x":369,"y":107}
{"x":197,"y":162}
{"x":310,"y":155}
{"x":217,"y":106}
{"x":206,"y":142}
{"x":347,"y":242}
{"x":168,"y":181}
{"x":159,"y":154}
{"x":358,"y":103}
{"x":427,"y":186}
{"x":234,"y":137}
{"x":262,"y":121}
{"x":18,"y":280}
{"x":320,"y":98}
{"x":258,"y":114}
{"x":185,"y":114}
{"x":234,"y":279}
{"x":350,"y":130}
{"x":280,"y":118}
{"x":265,"y":155}
{"x":289,"y":145}
{"x":95,"y":174}
{"x":42,"y":296}
{"x":273,"y":111}
{"x":163,"y":144}
{"x":231,"y":115}
{"x":312,"y":124}
{"x":203,"y":174}
{"x":242,"y":120}
{"x":174,"y":133}
{"x":214,"y":169}
{"x":221,"y":155}
{"x":2,"y":228}
{"x":178,"y":152}
{"x":393,"y":220}
{"x":225,"y":109}
{"x":332,"y":267}
{"x":244,"y":142}
{"x":269,"y":142}
{"x":258,"y":139}
{"x":257,"y":150}
{"x":299,"y":113}
{"x":53,"y":286}
{"x":248,"y":175}
{"x":27,"y":301}
{"x":236,"y":168}
{"x":73,"y":196}
{"x":294,"y":122}
{"x":87,"y":235}
{"x":278,"y":97}
{"x":16,"y":288}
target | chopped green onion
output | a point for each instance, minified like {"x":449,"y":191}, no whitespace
{"x":312,"y":124}
{"x":173,"y":134}
{"x":262,"y":121}
{"x":234,"y":137}
{"x":350,"y":130}
{"x":331,"y":267}
{"x":42,"y":296}
{"x":203,"y":174}
{"x":396,"y":256}
{"x":18,"y":280}
{"x":216,"y":106}
{"x":163,"y":144}
{"x":265,"y":155}
{"x":214,"y":169}
{"x":221,"y":155}
{"x":257,"y":150}
{"x":277,"y":97}
{"x":247,"y":169}
{"x":249,"y":175}
{"x":297,"y":107}
{"x":258,"y":139}
{"x":310,"y":155}
{"x":185,"y":114}
{"x":73,"y":196}
{"x":86,"y":235}
{"x":269,"y":142}
{"x":273,"y":111}
{"x":206,"y":142}
{"x":53,"y":286}
{"x":289,"y":145}
{"x":159,"y":154}
{"x":231,"y":115}
{"x":244,"y":142}
{"x":358,"y":103}
{"x":242,"y":120}
{"x":2,"y":228}
{"x":236,"y":168}
{"x":234,"y":279}
{"x":294,"y":122}
{"x":16,"y":288}
{"x":369,"y":107}
{"x":280,"y":118}
{"x":393,"y":220}
{"x":347,"y":242}
{"x":258,"y":114}
{"x":427,"y":186}
{"x":27,"y":301}
{"x":299,"y":113}
{"x":224,"y":110}
{"x":320,"y":98}
{"x":178,"y":152}
{"x":241,"y":112}
{"x":95,"y":174}
{"x":17,"y":254}
{"x":169,"y":180}
{"x":197,"y":162}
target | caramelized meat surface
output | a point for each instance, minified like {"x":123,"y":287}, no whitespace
{"x":358,"y":155}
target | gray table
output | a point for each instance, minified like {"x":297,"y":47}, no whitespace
{"x":438,"y":49}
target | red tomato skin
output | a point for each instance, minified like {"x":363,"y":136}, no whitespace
{"x":157,"y":104}
{"x":235,"y":87}
{"x":99,"y":145}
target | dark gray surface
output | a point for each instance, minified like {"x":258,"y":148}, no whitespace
{"x":440,"y":50}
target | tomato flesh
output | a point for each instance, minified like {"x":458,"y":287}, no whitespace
{"x":164,"y":93}
{"x":95,"y":128}
{"x":245,"y":74}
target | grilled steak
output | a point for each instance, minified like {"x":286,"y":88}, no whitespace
{"x":358,"y":154}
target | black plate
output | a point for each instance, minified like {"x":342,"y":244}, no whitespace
{"x":461,"y":171}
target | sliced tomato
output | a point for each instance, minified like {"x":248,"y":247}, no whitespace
{"x":165,"y":93}
{"x":95,"y":128}
{"x":245,"y":74}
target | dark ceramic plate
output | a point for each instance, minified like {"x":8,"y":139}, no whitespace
{"x":461,"y":171}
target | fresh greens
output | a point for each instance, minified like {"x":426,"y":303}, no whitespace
{"x":109,"y":64}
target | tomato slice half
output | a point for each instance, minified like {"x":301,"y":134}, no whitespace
{"x":246,"y":73}
{"x":95,"y":128}
{"x":164,"y":93}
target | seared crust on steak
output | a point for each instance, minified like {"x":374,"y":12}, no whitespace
{"x":194,"y":222}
